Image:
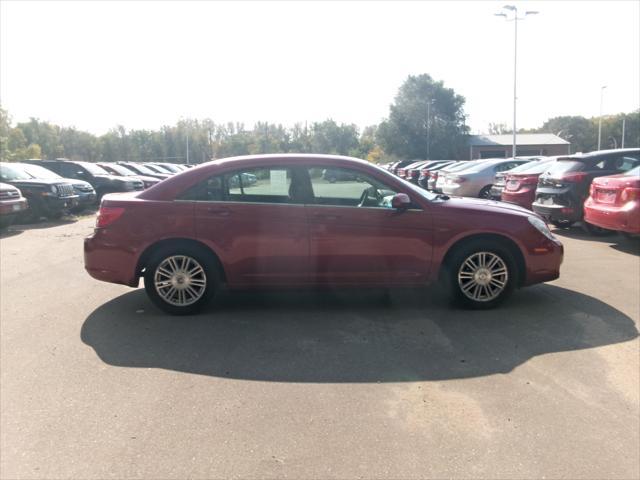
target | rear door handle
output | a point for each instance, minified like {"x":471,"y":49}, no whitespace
{"x":219,"y":212}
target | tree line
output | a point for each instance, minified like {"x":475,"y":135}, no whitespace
{"x":425,"y":119}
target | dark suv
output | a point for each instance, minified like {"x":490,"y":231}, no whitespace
{"x":49,"y":198}
{"x":98,"y":177}
{"x":564,"y":186}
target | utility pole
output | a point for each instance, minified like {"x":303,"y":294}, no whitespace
{"x":624,"y":121}
{"x":600,"y":118}
{"x":515,"y":20}
{"x":187,"y":147}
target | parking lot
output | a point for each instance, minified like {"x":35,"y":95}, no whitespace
{"x":97,"y":383}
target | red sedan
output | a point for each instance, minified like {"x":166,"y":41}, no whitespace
{"x":291,"y":227}
{"x":520,"y":182}
{"x":614,"y":202}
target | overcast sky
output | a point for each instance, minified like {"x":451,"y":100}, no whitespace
{"x":95,"y":65}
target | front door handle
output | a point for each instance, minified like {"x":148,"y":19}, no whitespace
{"x":219,"y":212}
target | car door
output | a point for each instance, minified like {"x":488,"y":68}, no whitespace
{"x":357,"y":238}
{"x":253,"y":220}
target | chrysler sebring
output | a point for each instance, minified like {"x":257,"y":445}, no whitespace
{"x":290,"y":226}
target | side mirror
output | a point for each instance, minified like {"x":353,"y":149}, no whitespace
{"x":400,"y":201}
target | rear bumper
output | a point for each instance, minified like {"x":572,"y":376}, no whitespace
{"x":496,"y":192}
{"x":110,"y":261}
{"x":561,"y":213}
{"x":523,"y":199}
{"x":622,"y":219}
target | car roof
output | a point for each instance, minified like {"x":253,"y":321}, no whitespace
{"x":269,"y":158}
{"x":598,"y":153}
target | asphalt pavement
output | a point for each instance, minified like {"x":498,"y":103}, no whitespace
{"x":97,"y":383}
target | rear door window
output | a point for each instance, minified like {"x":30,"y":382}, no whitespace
{"x":564,"y":166}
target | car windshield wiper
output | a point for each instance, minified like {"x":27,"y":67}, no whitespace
{"x":442,"y":196}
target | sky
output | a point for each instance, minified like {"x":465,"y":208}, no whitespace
{"x":95,"y":65}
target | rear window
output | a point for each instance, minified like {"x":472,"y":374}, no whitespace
{"x":634,"y":172}
{"x":564,"y":166}
{"x":532,"y":167}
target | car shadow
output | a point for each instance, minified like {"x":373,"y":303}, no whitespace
{"x":352,"y":336}
{"x":616,"y":241}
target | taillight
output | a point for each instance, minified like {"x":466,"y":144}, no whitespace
{"x":401,"y":172}
{"x":573,"y":177}
{"x":108,"y":215}
{"x":592,"y":190}
{"x":630,"y":194}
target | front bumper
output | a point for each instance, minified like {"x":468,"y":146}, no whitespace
{"x":14,"y":206}
{"x":621,"y":219}
{"x":543,"y":262}
{"x":58,"y":204}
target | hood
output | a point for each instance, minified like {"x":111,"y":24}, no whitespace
{"x":6,"y":186}
{"x":486,"y":206}
{"x":37,"y":182}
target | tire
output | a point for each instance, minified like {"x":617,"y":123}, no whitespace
{"x":595,"y":231}
{"x":561,"y":223}
{"x":502,"y":269}
{"x":485,"y":193}
{"x":170,"y":260}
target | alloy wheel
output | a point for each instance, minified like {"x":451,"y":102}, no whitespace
{"x":180,"y":280}
{"x":483,"y":276}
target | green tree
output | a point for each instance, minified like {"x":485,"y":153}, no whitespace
{"x":407,"y":129}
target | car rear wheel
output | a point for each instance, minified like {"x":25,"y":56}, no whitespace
{"x":181,"y":281}
{"x":482,"y":274}
{"x":485,"y":192}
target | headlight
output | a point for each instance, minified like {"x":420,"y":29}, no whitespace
{"x":541,"y":227}
{"x":54,"y":189}
{"x":129,"y":185}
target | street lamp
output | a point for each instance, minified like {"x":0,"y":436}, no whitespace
{"x":600,"y":118}
{"x":513,"y":17}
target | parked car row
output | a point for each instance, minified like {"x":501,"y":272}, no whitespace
{"x":49,"y":188}
{"x":599,"y":189}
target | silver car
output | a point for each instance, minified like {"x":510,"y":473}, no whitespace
{"x":476,"y":180}
{"x":442,"y":175}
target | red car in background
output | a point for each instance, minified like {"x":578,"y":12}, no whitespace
{"x":291,"y":227}
{"x":614,"y":202}
{"x":521,"y":182}
{"x":11,"y":204}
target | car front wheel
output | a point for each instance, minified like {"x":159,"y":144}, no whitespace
{"x":181,"y":281}
{"x":482,"y":274}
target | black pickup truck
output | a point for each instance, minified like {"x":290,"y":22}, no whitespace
{"x":49,"y":198}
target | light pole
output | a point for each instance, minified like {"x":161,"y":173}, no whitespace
{"x":600,"y":118}
{"x":514,"y":18}
{"x":429,"y":103}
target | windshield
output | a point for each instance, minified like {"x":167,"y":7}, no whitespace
{"x":36,"y":171}
{"x":93,"y":168}
{"x":12,"y":173}
{"x":119,"y":169}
